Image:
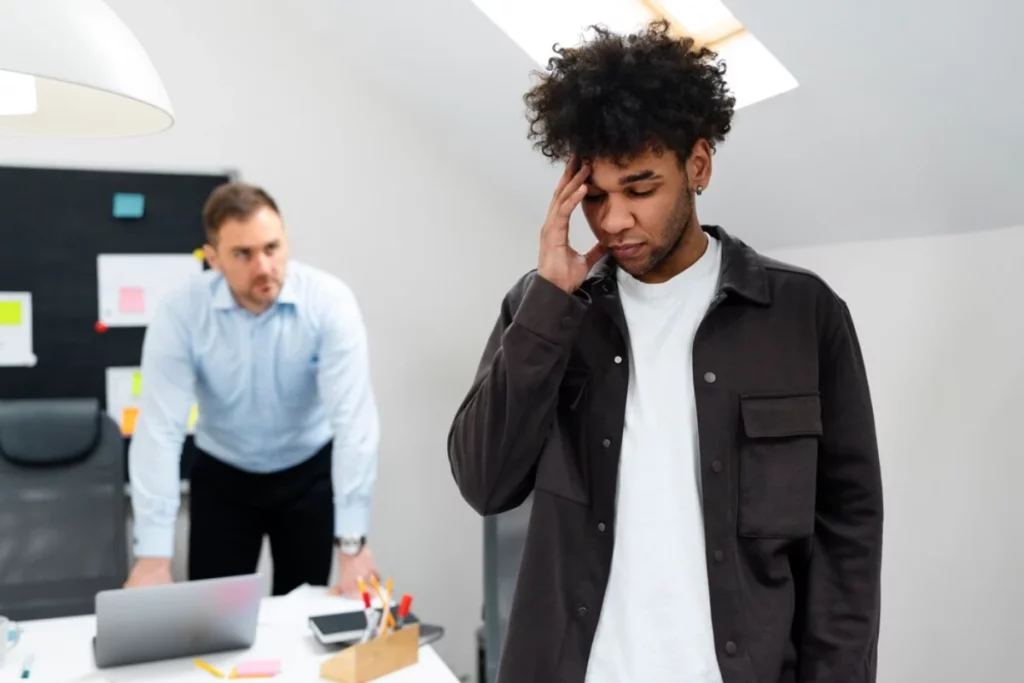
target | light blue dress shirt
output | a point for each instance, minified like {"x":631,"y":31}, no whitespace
{"x":272,"y":390}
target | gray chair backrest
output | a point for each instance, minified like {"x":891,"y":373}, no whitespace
{"x":63,"y":530}
{"x":504,"y":540}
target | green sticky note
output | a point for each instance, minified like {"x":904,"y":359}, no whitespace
{"x":137,"y":384}
{"x":10,"y":312}
{"x":129,"y":205}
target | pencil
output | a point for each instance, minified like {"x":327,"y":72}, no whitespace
{"x":388,"y":620}
{"x":206,"y":667}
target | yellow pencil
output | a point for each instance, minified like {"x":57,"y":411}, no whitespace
{"x":206,"y":667}
{"x":388,"y":619}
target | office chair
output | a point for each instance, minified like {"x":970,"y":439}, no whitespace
{"x":63,"y":530}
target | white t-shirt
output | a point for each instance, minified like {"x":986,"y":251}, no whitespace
{"x":655,"y":623}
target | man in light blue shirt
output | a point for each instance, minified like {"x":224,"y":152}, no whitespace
{"x":275,"y":354}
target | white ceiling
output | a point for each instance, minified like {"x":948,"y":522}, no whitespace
{"x":907,"y":120}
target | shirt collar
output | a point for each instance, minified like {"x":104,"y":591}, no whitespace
{"x":223,"y":299}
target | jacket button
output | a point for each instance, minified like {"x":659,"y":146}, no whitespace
{"x":600,"y":526}
{"x":606,"y":443}
{"x":710,"y":377}
{"x":717,"y":465}
{"x":618,"y":359}
{"x":582,"y":611}
{"x":719,"y":556}
{"x":730,"y":648}
{"x":567,"y":321}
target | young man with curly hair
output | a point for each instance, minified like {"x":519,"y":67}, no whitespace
{"x":692,"y":418}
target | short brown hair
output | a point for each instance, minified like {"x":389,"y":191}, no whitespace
{"x":233,"y":201}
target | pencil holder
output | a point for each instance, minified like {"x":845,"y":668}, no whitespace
{"x":374,"y":658}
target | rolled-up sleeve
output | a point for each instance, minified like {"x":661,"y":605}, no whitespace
{"x":347,"y":392}
{"x":168,"y":388}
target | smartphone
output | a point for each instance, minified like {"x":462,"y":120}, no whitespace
{"x":344,"y":627}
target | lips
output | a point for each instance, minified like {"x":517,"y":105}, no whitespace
{"x":626,"y":250}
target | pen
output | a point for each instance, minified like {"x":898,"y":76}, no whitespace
{"x":26,"y":667}
{"x":371,"y":614}
{"x":206,"y":667}
{"x":403,"y":609}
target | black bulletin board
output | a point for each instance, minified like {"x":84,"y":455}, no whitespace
{"x":53,"y":224}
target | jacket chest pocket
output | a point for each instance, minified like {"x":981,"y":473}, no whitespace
{"x":778,"y":465}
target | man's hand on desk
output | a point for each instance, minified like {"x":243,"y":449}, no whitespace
{"x":149,"y":571}
{"x":351,"y":569}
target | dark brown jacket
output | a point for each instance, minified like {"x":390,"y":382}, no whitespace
{"x":791,"y":484}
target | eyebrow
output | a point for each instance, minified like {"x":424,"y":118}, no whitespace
{"x":246,"y":248}
{"x":637,"y":177}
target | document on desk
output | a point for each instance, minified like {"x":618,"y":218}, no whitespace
{"x":130,"y":286}
{"x":16,"y":330}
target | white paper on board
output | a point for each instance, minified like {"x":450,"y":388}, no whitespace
{"x":130,"y":286}
{"x":16,"y":330}
{"x":124,"y":393}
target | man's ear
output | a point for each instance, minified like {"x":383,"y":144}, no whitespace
{"x":698,"y":165}
{"x":210,"y":253}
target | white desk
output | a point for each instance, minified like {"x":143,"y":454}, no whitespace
{"x":62,"y":649}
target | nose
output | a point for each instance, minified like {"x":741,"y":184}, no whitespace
{"x":262,"y":264}
{"x":616,"y":217}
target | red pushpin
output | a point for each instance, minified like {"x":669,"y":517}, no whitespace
{"x":100,"y":327}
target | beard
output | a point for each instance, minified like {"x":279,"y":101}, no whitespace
{"x":674,"y":232}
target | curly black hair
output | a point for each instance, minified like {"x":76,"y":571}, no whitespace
{"x":618,"y":96}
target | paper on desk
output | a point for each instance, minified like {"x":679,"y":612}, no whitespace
{"x":16,"y":329}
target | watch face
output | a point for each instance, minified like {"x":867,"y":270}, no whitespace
{"x":351,"y":545}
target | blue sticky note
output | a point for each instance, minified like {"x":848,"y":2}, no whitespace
{"x":129,"y":205}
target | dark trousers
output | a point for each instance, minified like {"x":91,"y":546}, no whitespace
{"x":232,"y":510}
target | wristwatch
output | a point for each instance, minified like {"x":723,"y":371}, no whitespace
{"x":350,"y":545}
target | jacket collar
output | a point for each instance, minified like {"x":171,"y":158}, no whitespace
{"x":743,"y":273}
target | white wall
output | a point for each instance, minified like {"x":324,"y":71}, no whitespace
{"x":428,"y":248}
{"x":942,"y":328}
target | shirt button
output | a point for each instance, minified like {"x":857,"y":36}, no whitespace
{"x":719,"y":556}
{"x":717,"y":465}
{"x":606,"y":443}
{"x":600,"y":526}
{"x":730,"y":648}
{"x":710,"y":377}
{"x":582,"y":611}
{"x":618,"y":359}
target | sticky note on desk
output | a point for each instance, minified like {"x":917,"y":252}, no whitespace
{"x":136,"y":383}
{"x":260,"y":668}
{"x":129,"y":205}
{"x":10,"y":312}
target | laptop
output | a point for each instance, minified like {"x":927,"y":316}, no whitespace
{"x":136,"y":625}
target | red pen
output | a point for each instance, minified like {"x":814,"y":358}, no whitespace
{"x":403,"y":609}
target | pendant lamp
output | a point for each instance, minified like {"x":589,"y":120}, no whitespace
{"x":72,"y":68}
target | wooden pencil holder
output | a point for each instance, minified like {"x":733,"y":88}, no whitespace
{"x":375,"y":658}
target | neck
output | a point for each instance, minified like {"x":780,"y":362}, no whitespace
{"x":692,"y":245}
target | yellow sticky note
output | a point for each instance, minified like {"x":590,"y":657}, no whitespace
{"x":10,"y":312}
{"x":193,"y":416}
{"x":199,"y":254}
{"x":137,"y":384}
{"x":128,"y":418}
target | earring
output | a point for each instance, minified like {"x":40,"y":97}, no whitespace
{"x":700,"y":190}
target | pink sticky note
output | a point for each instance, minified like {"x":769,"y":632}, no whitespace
{"x":132,"y":300}
{"x":258,"y":668}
